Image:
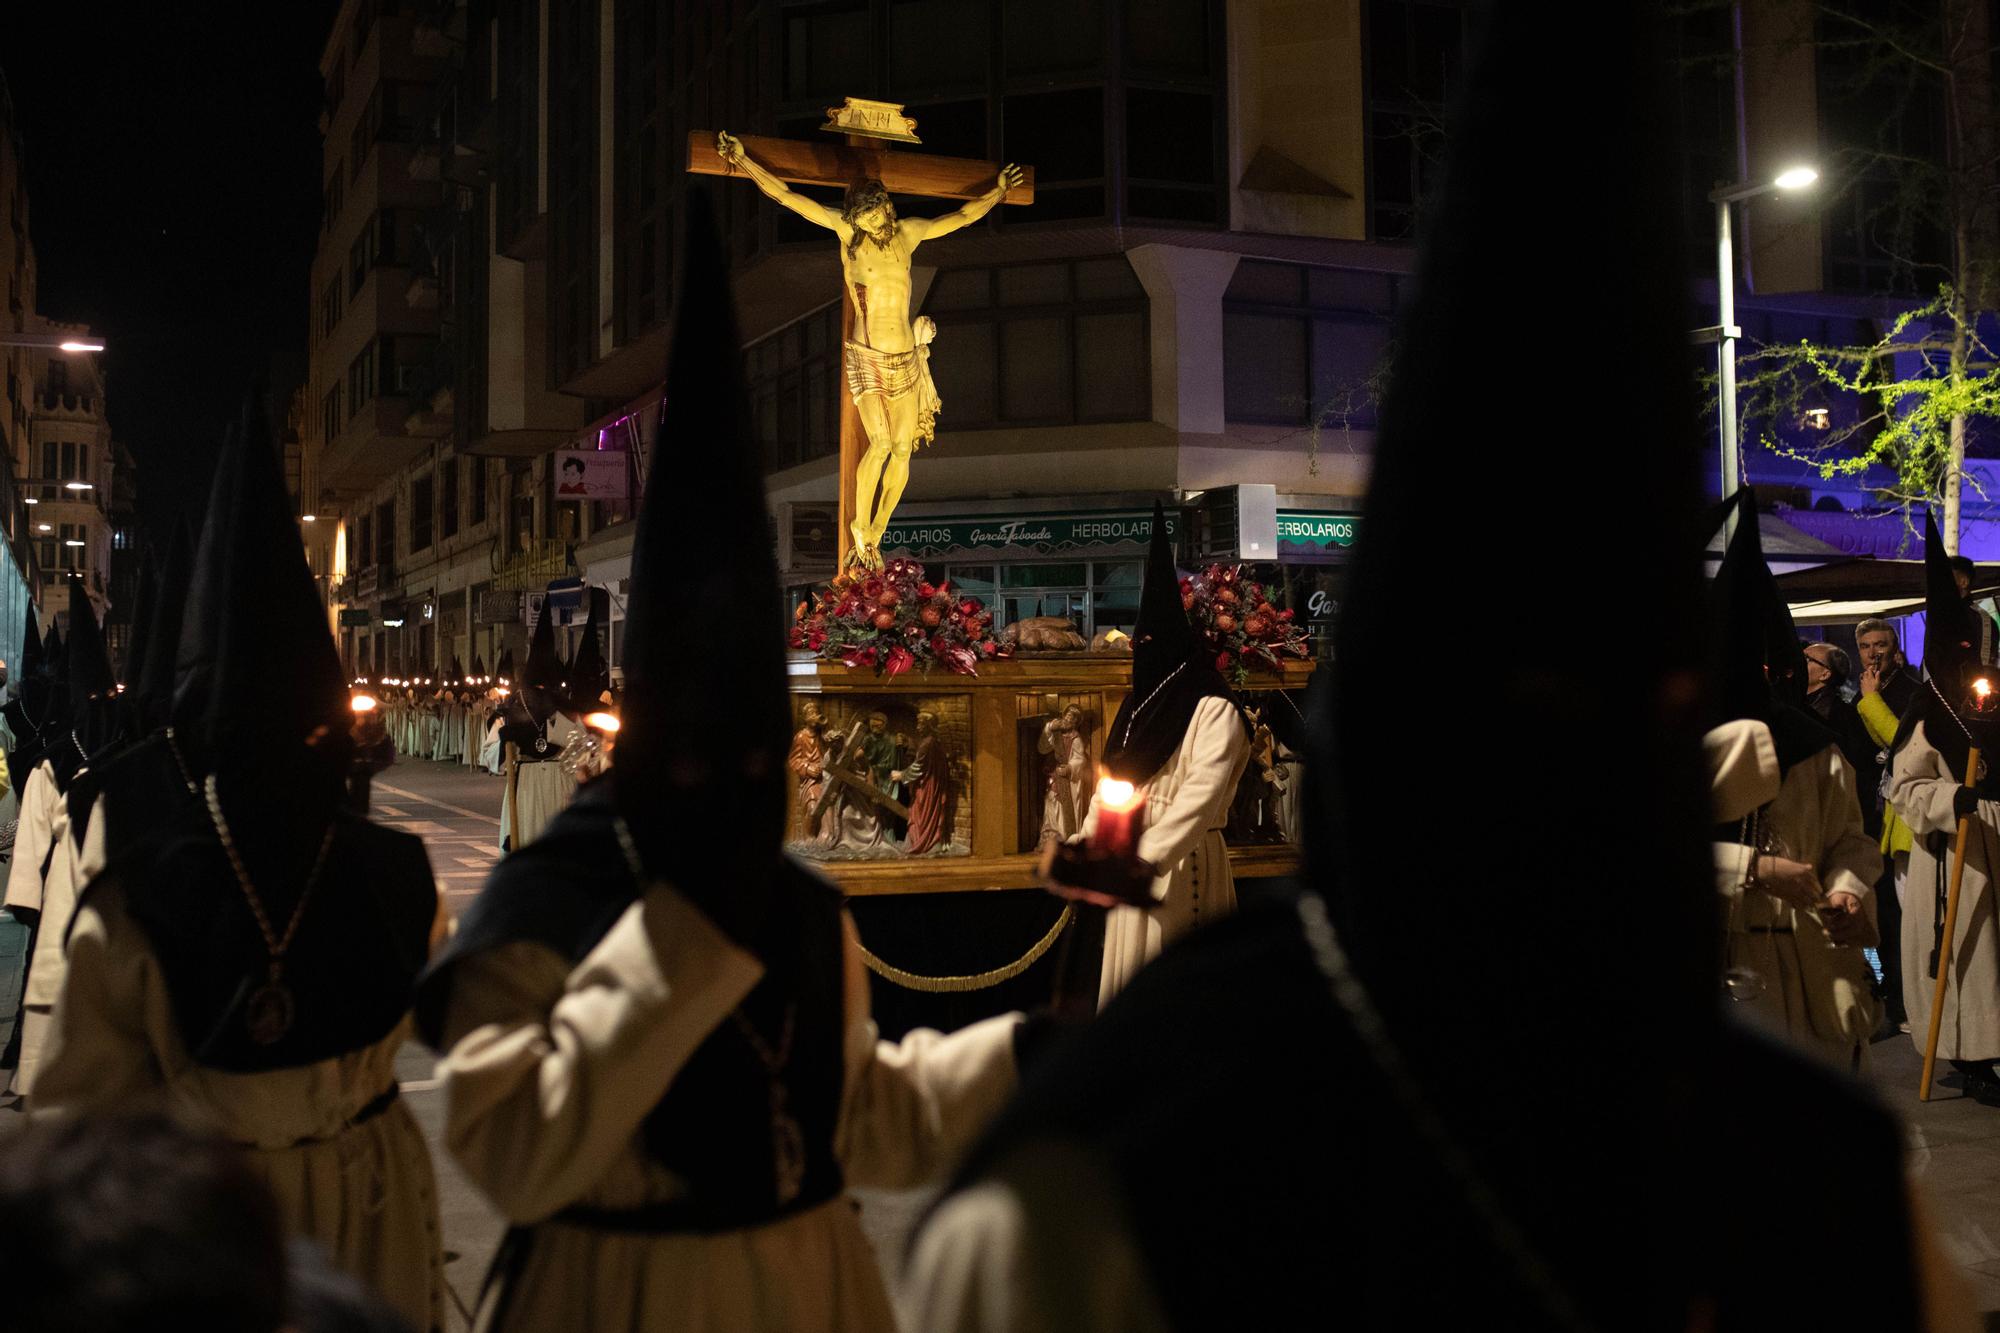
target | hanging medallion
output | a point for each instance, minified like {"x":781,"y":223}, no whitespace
{"x":268,"y":1015}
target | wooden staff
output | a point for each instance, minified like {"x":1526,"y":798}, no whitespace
{"x":1950,"y":929}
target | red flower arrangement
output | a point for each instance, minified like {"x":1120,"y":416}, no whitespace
{"x":1234,"y":614}
{"x":895,"y":620}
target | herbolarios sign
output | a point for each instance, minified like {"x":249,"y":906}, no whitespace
{"x":1015,"y":534}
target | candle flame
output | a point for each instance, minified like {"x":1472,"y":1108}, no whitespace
{"x":1115,"y":794}
{"x":1982,"y":687}
{"x":605,"y":722}
{"x":362,"y":703}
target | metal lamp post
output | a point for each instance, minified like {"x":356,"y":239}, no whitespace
{"x":1725,"y":331}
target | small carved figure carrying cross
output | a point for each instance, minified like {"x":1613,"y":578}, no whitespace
{"x":886,"y":356}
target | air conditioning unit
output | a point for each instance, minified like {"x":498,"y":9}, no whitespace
{"x":1235,"y":523}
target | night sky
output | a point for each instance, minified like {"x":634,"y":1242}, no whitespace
{"x":173,"y":181}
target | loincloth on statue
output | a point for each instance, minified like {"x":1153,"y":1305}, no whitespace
{"x":895,"y":375}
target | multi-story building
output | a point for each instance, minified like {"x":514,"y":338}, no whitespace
{"x":26,"y":375}
{"x":66,"y":475}
{"x":1199,"y":298}
{"x":128,"y":558}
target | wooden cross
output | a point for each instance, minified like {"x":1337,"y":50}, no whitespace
{"x":864,"y":157}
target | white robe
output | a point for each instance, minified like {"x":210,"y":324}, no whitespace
{"x":1187,"y":803}
{"x":1921,"y":789}
{"x":549,"y":1072}
{"x":536,"y":792}
{"x":1818,"y":993}
{"x":364,"y":1191}
{"x":42,"y":879}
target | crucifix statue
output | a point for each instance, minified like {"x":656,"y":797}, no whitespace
{"x":885,"y":354}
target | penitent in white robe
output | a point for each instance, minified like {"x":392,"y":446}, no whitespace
{"x":1921,"y":789}
{"x":1818,"y":993}
{"x":1187,"y":803}
{"x":550,"y":1070}
{"x":43,"y":878}
{"x":364,"y":1192}
{"x":536,"y":792}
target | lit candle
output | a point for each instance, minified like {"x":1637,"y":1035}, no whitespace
{"x":603,"y":723}
{"x":1118,"y":805}
{"x":362,"y":703}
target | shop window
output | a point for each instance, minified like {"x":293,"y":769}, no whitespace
{"x":1114,"y":595}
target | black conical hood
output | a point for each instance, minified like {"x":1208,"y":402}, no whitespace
{"x":454,"y":675}
{"x":478,"y":667}
{"x":1162,"y":638}
{"x":541,"y":682}
{"x":268,"y":676}
{"x":1758,"y":646}
{"x":144,"y":609}
{"x":34,"y":657}
{"x":1172,"y":670}
{"x":1617,"y":737}
{"x":504,"y":668}
{"x":705,"y":711}
{"x":89,"y":659}
{"x":54,"y":660}
{"x":207,"y":596}
{"x":589,"y":677}
{"x":1951,"y":635}
{"x":155,"y":684}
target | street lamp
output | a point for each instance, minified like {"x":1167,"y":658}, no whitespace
{"x":1725,"y":331}
{"x":52,"y":342}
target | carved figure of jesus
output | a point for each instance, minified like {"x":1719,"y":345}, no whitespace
{"x":887,"y":362}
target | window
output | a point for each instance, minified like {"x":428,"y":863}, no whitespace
{"x":827,"y":53}
{"x":361,"y":380}
{"x":423,"y":502}
{"x":385,"y":534}
{"x":335,"y":196}
{"x":1303,"y":345}
{"x":1416,"y":50}
{"x":329,"y":307}
{"x":72,"y":557}
{"x":51,"y":460}
{"x":573,"y":186}
{"x":364,"y":549}
{"x":121,"y":539}
{"x":478,"y":505}
{"x":641,"y":228}
{"x":45,"y":551}
{"x":361,"y":257}
{"x":517,"y":101}
{"x":791,"y":376}
{"x":448,"y":497}
{"x":1042,"y":344}
{"x":329,"y":415}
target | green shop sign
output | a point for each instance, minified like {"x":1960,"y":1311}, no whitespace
{"x":1309,"y":535}
{"x":1022,"y":534}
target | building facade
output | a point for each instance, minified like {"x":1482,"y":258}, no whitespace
{"x":1198,"y":300}
{"x":55,"y":436}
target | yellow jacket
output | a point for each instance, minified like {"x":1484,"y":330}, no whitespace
{"x":1881,"y":721}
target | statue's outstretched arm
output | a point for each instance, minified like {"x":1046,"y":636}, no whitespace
{"x":730,"y":149}
{"x":923,"y":229}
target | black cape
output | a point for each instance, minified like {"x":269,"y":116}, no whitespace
{"x":1319,"y":1195}
{"x":565,"y":891}
{"x":363,"y":940}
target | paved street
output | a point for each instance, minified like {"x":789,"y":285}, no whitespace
{"x":1954,"y":1142}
